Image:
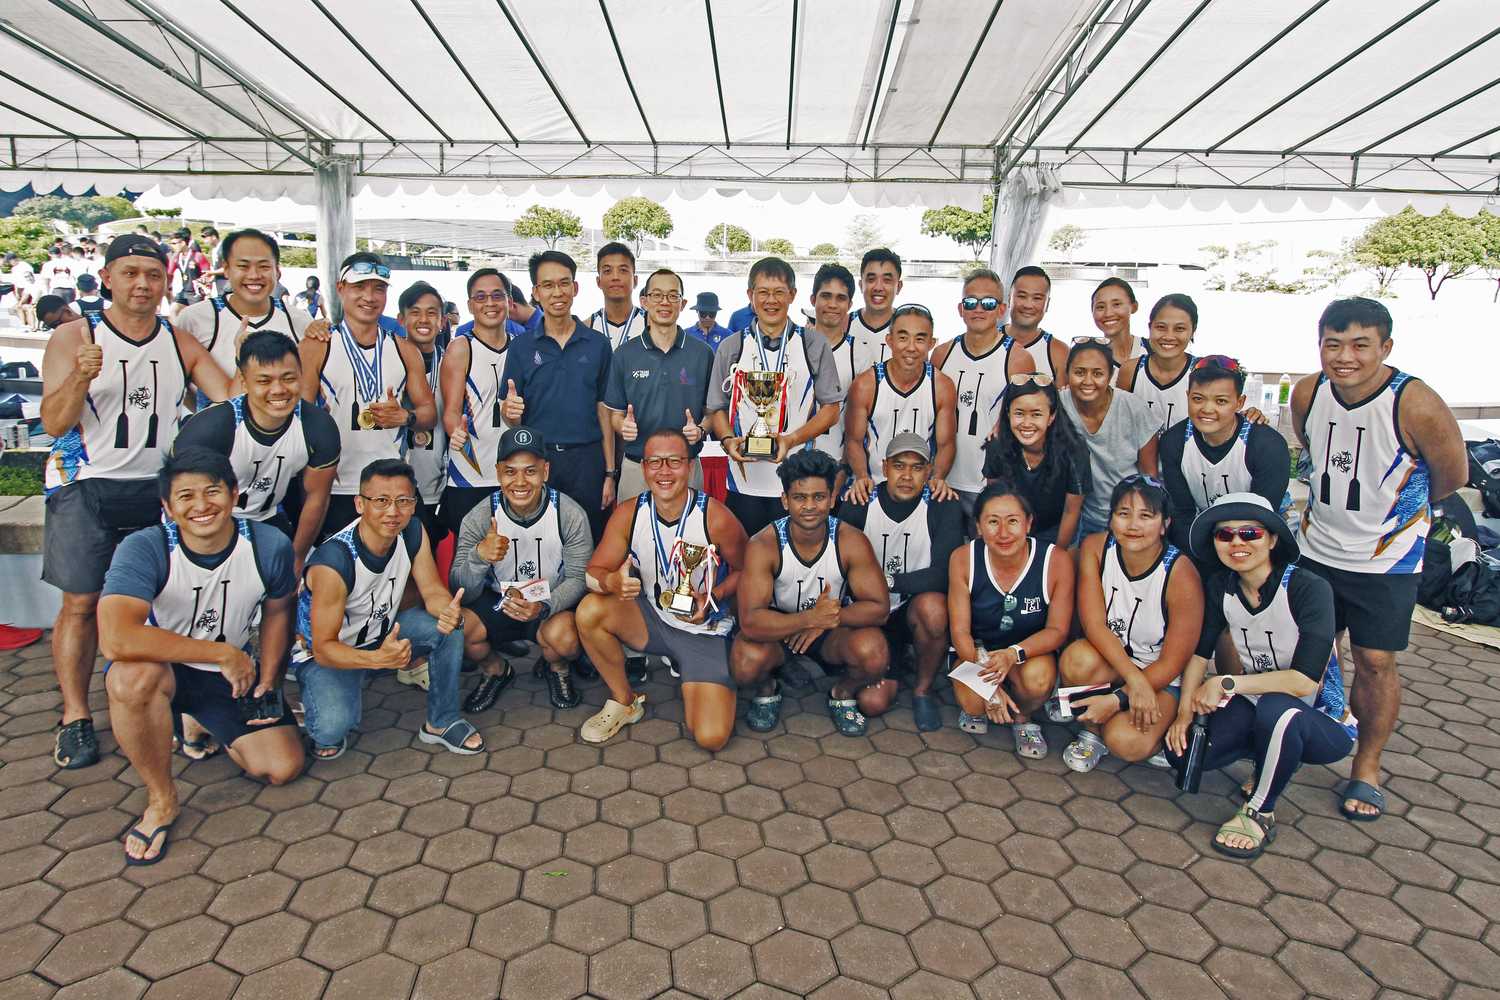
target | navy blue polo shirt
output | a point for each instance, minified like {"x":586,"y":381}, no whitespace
{"x":562,"y":384}
{"x":659,"y":385}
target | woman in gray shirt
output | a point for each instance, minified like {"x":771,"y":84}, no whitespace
{"x":1116,"y":425}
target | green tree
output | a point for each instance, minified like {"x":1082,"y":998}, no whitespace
{"x":1245,"y":269}
{"x":1329,"y":268}
{"x":963,"y":226}
{"x":28,"y":237}
{"x":633,"y":219}
{"x":726,"y":238}
{"x":164,"y":213}
{"x":1381,"y":248}
{"x":299,"y":257}
{"x":864,"y":233}
{"x":86,"y":212}
{"x":1066,"y":239}
{"x":824,"y":251}
{"x":548,"y":224}
{"x":1448,"y":245}
{"x":1488,"y":225}
{"x":779,"y":246}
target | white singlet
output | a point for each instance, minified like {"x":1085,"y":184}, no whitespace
{"x":651,"y":543}
{"x":535,"y":551}
{"x":264,"y":470}
{"x":216,"y":332}
{"x":1136,"y":607}
{"x":845,"y":365}
{"x":869,"y":341}
{"x":797,"y":584}
{"x":894,"y":412}
{"x":344,"y":394}
{"x":634,"y":323}
{"x":215,"y":605}
{"x":373,"y":599}
{"x":901,"y":546}
{"x":759,"y":478}
{"x":1207,"y":481}
{"x":1168,"y":403}
{"x":427,"y":451}
{"x":484,"y":392}
{"x":980,"y":383}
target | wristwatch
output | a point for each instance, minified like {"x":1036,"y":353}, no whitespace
{"x":1226,"y":684}
{"x":1020,"y":654}
{"x":612,"y":474}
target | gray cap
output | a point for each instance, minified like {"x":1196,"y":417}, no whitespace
{"x":909,"y":442}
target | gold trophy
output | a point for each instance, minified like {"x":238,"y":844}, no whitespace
{"x":764,"y":390}
{"x":680,"y":600}
{"x":367,"y":419}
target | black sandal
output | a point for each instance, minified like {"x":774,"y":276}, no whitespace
{"x":561,"y":691}
{"x":487,"y":691}
{"x":75,"y":745}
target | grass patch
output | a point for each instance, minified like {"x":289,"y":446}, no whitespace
{"x":16,"y":481}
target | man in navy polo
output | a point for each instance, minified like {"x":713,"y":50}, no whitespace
{"x":555,"y":381}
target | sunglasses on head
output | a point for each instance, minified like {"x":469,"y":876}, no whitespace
{"x":1101,"y":341}
{"x":368,"y":267}
{"x":1223,"y":361}
{"x":1246,"y":533}
{"x":910,"y":308}
{"x":985,"y":302}
{"x":1031,"y":378}
{"x":1140,"y":478}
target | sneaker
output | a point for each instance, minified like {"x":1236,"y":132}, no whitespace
{"x":924,"y":709}
{"x":612,"y":718}
{"x":976,"y":725}
{"x":75,"y":745}
{"x":764,"y":712}
{"x":561,"y":690}
{"x":846,"y":716}
{"x":1029,"y":740}
{"x":1085,"y":753}
{"x":487,"y":691}
{"x":1159,"y":759}
{"x":416,"y":677}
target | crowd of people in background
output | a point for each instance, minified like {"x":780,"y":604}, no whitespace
{"x":1097,"y":524}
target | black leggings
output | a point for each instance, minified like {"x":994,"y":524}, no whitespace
{"x":1280,"y":733}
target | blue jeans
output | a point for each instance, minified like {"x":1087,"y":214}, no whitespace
{"x":334,"y":699}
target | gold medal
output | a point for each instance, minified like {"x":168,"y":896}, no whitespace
{"x":422,"y":439}
{"x":367,"y":419}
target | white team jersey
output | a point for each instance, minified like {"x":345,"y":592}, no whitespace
{"x":1136,"y":608}
{"x":894,"y":412}
{"x":344,"y":398}
{"x":901,"y":546}
{"x":980,"y":384}
{"x":130,"y":413}
{"x":1207,"y":481}
{"x":1168,"y":403}
{"x":1040,"y":350}
{"x":869,"y":341}
{"x":831,"y":441}
{"x":799,"y":404}
{"x":1367,"y":508}
{"x":214,"y":323}
{"x":371,"y":606}
{"x":215,"y":605}
{"x":535,"y":551}
{"x":797,"y":583}
{"x":427,"y":451}
{"x":634,"y":323}
{"x":651,"y":543}
{"x":265,"y":470}
{"x":484,"y":392}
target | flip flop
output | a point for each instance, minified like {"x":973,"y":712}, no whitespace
{"x":338,"y":751}
{"x":1255,"y":826}
{"x":148,"y":840}
{"x":200,"y":749}
{"x":1362,"y":791}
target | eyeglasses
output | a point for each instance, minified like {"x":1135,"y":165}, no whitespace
{"x":369,"y":267}
{"x":985,"y":302}
{"x":673,"y":462}
{"x":1223,"y":361}
{"x":912,"y":307}
{"x":1031,"y":378}
{"x":780,"y":294}
{"x":657,"y":297}
{"x":403,"y":504}
{"x":1139,"y":478}
{"x":1247,"y":533}
{"x":482,"y":297}
{"x":1102,"y":341}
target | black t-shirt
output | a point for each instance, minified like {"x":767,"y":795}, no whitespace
{"x":214,"y":428}
{"x":1073,"y":478}
{"x":945,"y":527}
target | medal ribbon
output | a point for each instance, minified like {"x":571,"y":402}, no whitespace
{"x":667,"y":560}
{"x":367,"y":377}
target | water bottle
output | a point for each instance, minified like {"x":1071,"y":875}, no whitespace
{"x":1255,"y":391}
{"x":1284,"y":390}
{"x":1190,"y":765}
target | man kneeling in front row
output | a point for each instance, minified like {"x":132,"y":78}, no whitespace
{"x":812,"y":587}
{"x":688,"y":549}
{"x":174,"y":619}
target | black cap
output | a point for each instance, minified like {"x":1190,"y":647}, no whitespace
{"x":132,"y":245}
{"x":519,"y":439}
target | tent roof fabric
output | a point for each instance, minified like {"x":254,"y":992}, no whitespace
{"x":891,"y":101}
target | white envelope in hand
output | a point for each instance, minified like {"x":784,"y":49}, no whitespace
{"x":967,"y":674}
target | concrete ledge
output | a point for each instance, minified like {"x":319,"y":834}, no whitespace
{"x":21,"y":525}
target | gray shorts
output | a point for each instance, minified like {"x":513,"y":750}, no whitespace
{"x":700,"y":659}
{"x":85,"y":521}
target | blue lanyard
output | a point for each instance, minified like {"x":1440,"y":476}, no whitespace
{"x":367,"y":378}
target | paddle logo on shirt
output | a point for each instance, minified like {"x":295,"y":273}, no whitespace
{"x":207,"y":621}
{"x":139,"y":398}
{"x":1343,"y":461}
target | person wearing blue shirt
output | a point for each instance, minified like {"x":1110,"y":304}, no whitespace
{"x":741,"y":319}
{"x":707,"y":329}
{"x":522,"y":311}
{"x":551,"y":375}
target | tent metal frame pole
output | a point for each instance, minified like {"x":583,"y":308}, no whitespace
{"x":42,"y":121}
{"x":713,"y":47}
{"x":536,"y":61}
{"x":890,"y":35}
{"x":1394,"y":91}
{"x":791,"y":74}
{"x":77,"y":111}
{"x":291,"y":57}
{"x":964,"y":76}
{"x":614,"y":40}
{"x":1429,"y":116}
{"x":1329,"y":71}
{"x":1119,"y":94}
{"x":130,"y":46}
{"x":1468,"y":142}
{"x":1274,"y":40}
{"x":458,"y":63}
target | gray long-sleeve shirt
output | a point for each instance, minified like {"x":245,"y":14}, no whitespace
{"x":473,"y":573}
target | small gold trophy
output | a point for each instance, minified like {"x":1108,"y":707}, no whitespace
{"x":680,"y":599}
{"x":764,"y":390}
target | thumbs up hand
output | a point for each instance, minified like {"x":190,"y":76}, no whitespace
{"x":90,"y":361}
{"x":629,"y":430}
{"x":244,"y":331}
{"x":388,"y":411}
{"x":459,"y":437}
{"x":624,"y":583}
{"x":691,"y":430}
{"x":393,"y":653}
{"x":494,"y":546}
{"x":452,"y":614}
{"x":825,"y":613}
{"x":513,"y":407}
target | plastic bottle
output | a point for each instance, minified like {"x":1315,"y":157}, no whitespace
{"x":1255,"y":391}
{"x":1284,"y":390}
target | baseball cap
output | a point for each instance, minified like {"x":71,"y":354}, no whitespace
{"x":519,"y":439}
{"x":134,"y":245}
{"x":906,"y":442}
{"x":361,"y":267}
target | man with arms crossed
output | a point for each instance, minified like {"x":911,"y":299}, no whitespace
{"x":901,"y":395}
{"x":812,"y":587}
{"x":635,"y":565}
{"x":810,"y":393}
{"x":879,"y":284}
{"x":111,"y":389}
{"x":1383,"y":446}
{"x":913,"y":535}
{"x":348,"y":616}
{"x":175,"y":619}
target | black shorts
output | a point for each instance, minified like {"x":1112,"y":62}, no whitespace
{"x":207,"y":697}
{"x":85,"y":521}
{"x":1375,"y":607}
{"x":499,"y":626}
{"x":698,"y":657}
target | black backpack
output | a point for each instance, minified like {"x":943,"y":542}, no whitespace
{"x":1484,"y":473}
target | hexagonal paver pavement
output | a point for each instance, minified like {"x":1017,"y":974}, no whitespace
{"x":796,"y":864}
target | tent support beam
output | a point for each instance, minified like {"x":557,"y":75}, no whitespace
{"x":536,"y":61}
{"x":335,"y":176}
{"x":964,"y":76}
{"x":457,"y":62}
{"x":614,"y":40}
{"x":713,"y":47}
{"x":1428,"y":117}
{"x":885,"y":55}
{"x":791,"y":74}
